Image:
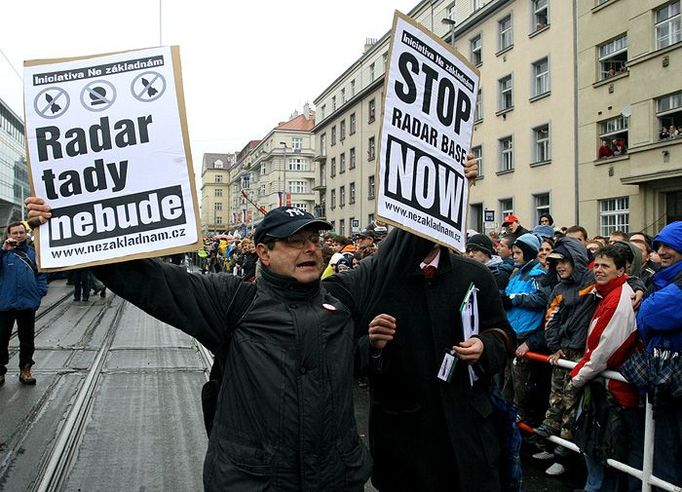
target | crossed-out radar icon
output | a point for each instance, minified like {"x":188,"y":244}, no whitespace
{"x":51,"y":102}
{"x":148,"y":86}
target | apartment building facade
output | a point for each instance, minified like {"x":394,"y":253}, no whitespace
{"x":274,"y":171}
{"x":13,"y":168}
{"x":215,"y":172}
{"x":629,"y":88}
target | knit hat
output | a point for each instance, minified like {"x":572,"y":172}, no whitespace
{"x":481,"y":242}
{"x":529,"y":244}
{"x":671,"y":236}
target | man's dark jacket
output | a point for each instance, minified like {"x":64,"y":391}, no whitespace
{"x":415,"y":419}
{"x":284,"y":418}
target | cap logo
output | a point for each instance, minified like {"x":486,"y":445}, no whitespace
{"x":294,"y":211}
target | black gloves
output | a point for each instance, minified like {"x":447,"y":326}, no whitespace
{"x":506,"y":302}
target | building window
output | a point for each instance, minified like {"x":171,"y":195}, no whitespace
{"x":506,"y":154}
{"x":263,"y":169}
{"x":300,"y":206}
{"x":323,"y":110}
{"x":333,"y":199}
{"x":351,"y":125}
{"x":370,"y":188}
{"x":540,"y":14}
{"x":323,"y":144}
{"x":506,"y":94}
{"x":506,"y":207}
{"x":541,"y":77}
{"x":333,"y":167}
{"x":298,"y":187}
{"x":476,"y":4}
{"x":352,"y":88}
{"x":342,"y":196}
{"x":614,"y":133}
{"x":450,"y":11}
{"x":342,"y":163}
{"x":371,"y":72}
{"x":478,"y":110}
{"x":478,"y":157}
{"x":351,"y":193}
{"x":261,"y":190}
{"x":333,"y":135}
{"x":476,"y":50}
{"x":371,"y":149}
{"x":342,"y":130}
{"x":218,"y":219}
{"x":298,"y":165}
{"x":351,"y":155}
{"x":541,"y":144}
{"x":370,"y":218}
{"x":372,"y":111}
{"x":668,"y":25}
{"x":613,"y":57}
{"x":343,"y":96}
{"x":614,"y":215}
{"x":218,"y":192}
{"x":219,"y":164}
{"x":218,"y":206}
{"x":218,"y":178}
{"x":504,"y":28}
{"x":541,"y":205}
{"x":669,"y":114}
{"x":333,"y":103}
{"x":297,"y":144}
{"x":342,"y":227}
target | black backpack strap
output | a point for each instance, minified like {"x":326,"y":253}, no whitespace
{"x":239,"y":305}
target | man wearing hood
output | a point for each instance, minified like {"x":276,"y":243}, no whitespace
{"x":480,"y":248}
{"x":567,"y":321}
{"x":659,"y":322}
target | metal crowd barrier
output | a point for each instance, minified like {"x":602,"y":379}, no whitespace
{"x":646,"y":474}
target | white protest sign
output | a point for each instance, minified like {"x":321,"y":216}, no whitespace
{"x":426,"y":135}
{"x":109,"y":152}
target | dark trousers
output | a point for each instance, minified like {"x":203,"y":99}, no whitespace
{"x":26,"y":320}
{"x":668,"y":442}
{"x":82,"y":284}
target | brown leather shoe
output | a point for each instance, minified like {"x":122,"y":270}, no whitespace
{"x":25,"y":376}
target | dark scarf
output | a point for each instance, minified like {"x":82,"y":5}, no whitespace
{"x":289,"y":288}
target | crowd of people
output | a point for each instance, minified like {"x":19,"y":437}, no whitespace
{"x":320,"y":306}
{"x":603,"y":303}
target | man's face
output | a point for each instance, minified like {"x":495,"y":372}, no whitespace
{"x":298,"y":256}
{"x":365,"y":241}
{"x":577,"y":235}
{"x":668,"y":255}
{"x":640,"y":241}
{"x":18,"y":233}
{"x":616,"y":237}
{"x":503,"y":249}
{"x":564,"y":268}
{"x":477,"y":255}
{"x":511,"y":227}
{"x":337,"y":246}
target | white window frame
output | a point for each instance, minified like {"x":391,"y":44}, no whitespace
{"x":608,"y":51}
{"x":668,"y":29}
{"x":478,"y":110}
{"x":297,"y":144}
{"x":342,"y":196}
{"x":351,"y":193}
{"x":477,"y":151}
{"x":342,"y":163}
{"x":476,"y":49}
{"x":540,"y":17}
{"x":218,"y":192}
{"x":371,"y":149}
{"x":541,"y":80}
{"x":297,"y":186}
{"x":542,"y":144}
{"x":371,"y":188}
{"x":506,"y":153}
{"x":541,"y":207}
{"x":372,"y":72}
{"x":614,"y":215}
{"x":352,"y":158}
{"x":506,"y":91}
{"x":505,"y":35}
{"x":297,"y":164}
{"x":506,"y":206}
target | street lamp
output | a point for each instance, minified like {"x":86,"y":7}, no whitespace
{"x":452,"y":23}
{"x":284,"y":172}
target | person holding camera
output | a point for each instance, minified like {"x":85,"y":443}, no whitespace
{"x":21,"y":290}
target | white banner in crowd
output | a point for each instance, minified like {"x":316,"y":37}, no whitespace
{"x":425,"y":135}
{"x":109,"y":152}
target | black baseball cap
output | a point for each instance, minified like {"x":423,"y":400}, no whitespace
{"x":282,"y":222}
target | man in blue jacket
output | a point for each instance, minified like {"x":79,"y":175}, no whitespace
{"x":21,"y":289}
{"x":659,"y":322}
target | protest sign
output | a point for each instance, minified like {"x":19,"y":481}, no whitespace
{"x":109,"y":152}
{"x":426,"y":135}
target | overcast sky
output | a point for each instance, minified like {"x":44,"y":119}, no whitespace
{"x":246,"y":65}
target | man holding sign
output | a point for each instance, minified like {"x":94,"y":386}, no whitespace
{"x":431,"y":417}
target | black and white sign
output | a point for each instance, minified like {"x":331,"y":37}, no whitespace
{"x":116,"y":168}
{"x":488,"y":215}
{"x":426,"y":135}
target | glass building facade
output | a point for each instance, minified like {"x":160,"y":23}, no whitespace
{"x":13,"y":168}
